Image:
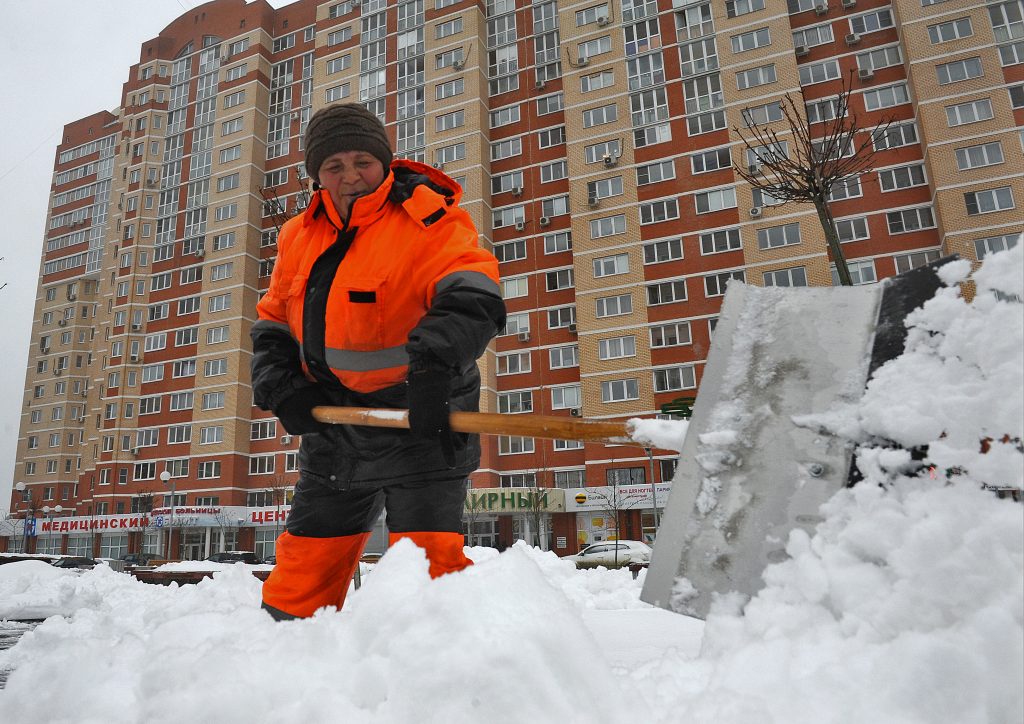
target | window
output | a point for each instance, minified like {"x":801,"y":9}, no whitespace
{"x":762,"y":115}
{"x":776,"y":236}
{"x":597,"y":152}
{"x":819,"y":72}
{"x":716,"y":200}
{"x":750,"y":40}
{"x":608,"y":226}
{"x":600,"y":116}
{"x":719,"y":241}
{"x":662,"y":251}
{"x":179,"y":434}
{"x":670,"y":335}
{"x":852,"y":229}
{"x":213,"y":400}
{"x":715,"y":284}
{"x":759,"y":76}
{"x":565,"y":356}
{"x":515,"y":287}
{"x":994,"y":244}
{"x":336,"y":65}
{"x":261,"y":464}
{"x":880,"y":58}
{"x":901,"y":177}
{"x":984,"y":154}
{"x":211,"y":435}
{"x":951,"y":30}
{"x":658,"y":211}
{"x":735,"y":8}
{"x":451,"y":88}
{"x":231,"y":126}
{"x":847,"y":188}
{"x":514,"y":363}
{"x":596,"y":81}
{"x":861,"y":272}
{"x":557,"y":242}
{"x":561,"y":317}
{"x":208,"y":469}
{"x":594,"y":47}
{"x":215,"y":367}
{"x":570,"y":478}
{"x":616,"y":347}
{"x":815,"y":35}
{"x":871,"y":22}
{"x":554,"y":171}
{"x":561,"y":279}
{"x":336,"y":93}
{"x":550,"y":104}
{"x":619,"y":390}
{"x":516,"y":323}
{"x":605,"y":188}
{"x":220,"y":302}
{"x":674,"y":378}
{"x":959,"y":70}
{"x":215,"y":335}
{"x":611,"y":265}
{"x":448,"y":121}
{"x":506,"y":148}
{"x":613,"y":306}
{"x":792,"y":277}
{"x":886,"y":97}
{"x":451,"y":27}
{"x":551,"y":137}
{"x":510,"y":251}
{"x":895,"y":136}
{"x":906,"y":262}
{"x":989,"y":201}
{"x":655,"y":172}
{"x":514,"y":445}
{"x":510,"y":403}
{"x":505,"y":116}
{"x":666,"y":292}
{"x":910,"y":220}
{"x":970,"y":112}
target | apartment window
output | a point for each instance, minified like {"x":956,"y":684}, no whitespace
{"x":774,"y":237}
{"x":816,"y":35}
{"x":750,"y":40}
{"x":600,"y":116}
{"x":558,"y":242}
{"x":670,"y":335}
{"x":516,"y":323}
{"x":550,"y":104}
{"x":511,"y":403}
{"x":336,"y":65}
{"x":910,"y":220}
{"x":213,"y":400}
{"x":984,"y":154}
{"x":599,"y":151}
{"x":752,"y":77}
{"x":616,"y":347}
{"x":847,"y":188}
{"x":712,"y":160}
{"x":605,"y":188}
{"x":895,"y":136}
{"x":716,"y":242}
{"x":671,"y":379}
{"x":989,"y":201}
{"x":597,"y":81}
{"x":451,"y":27}
{"x":514,"y":363}
{"x":211,"y":435}
{"x":561,"y":317}
{"x":564,"y":356}
{"x":551,"y":137}
{"x":451,"y":88}
{"x":735,"y":8}
{"x":506,"y":148}
{"x":611,"y":265}
{"x":448,"y":121}
{"x":994,"y":244}
{"x":666,"y":292}
{"x":763,"y":114}
{"x":233,"y":153}
{"x":852,"y":229}
{"x":505,"y":116}
{"x":959,"y":70}
{"x":658,"y":211}
{"x":450,"y":154}
{"x":715,"y":284}
{"x":553,"y":171}
{"x":887,"y":97}
{"x":510,"y":251}
{"x":336,"y":93}
{"x":613,"y":306}
{"x":337,"y":37}
{"x":515,"y":287}
{"x":913,"y":260}
{"x":597,"y":46}
{"x":819,"y":72}
{"x":215,"y":367}
{"x":228,"y":211}
{"x":880,"y":58}
{"x":208,"y":470}
{"x":555,"y":206}
{"x":871,"y":22}
{"x":711,"y":201}
{"x":662,"y":251}
{"x":561,"y":279}
{"x":514,"y":445}
{"x":655,"y":172}
{"x":950,"y":30}
{"x":568,"y":479}
{"x":861,"y":272}
{"x":508,"y":216}
{"x":179,"y":434}
{"x":226,"y":183}
{"x":231,"y":126}
{"x":620,"y":390}
{"x":970,"y":112}
{"x":220,"y":302}
{"x":792,"y":277}
{"x":901,"y":177}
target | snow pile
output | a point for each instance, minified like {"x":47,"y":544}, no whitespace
{"x":906,"y":606}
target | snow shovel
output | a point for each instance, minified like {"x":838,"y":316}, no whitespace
{"x":546,"y":426}
{"x":748,"y":473}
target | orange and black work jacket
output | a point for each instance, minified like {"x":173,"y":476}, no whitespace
{"x":353,"y":305}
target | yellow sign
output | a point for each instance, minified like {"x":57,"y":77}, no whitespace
{"x":581,"y":498}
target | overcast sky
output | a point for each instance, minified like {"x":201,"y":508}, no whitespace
{"x":61,"y":60}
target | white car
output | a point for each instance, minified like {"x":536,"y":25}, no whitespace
{"x":611,"y":553}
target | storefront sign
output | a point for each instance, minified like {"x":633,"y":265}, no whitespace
{"x":515,"y":500}
{"x":617,"y":497}
{"x":184,"y":517}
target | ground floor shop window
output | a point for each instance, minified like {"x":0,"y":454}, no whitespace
{"x":80,"y":545}
{"x":152,"y":543}
{"x":266,"y":542}
{"x":49,"y":545}
{"x":14,"y":544}
{"x":113,"y":545}
{"x":482,"y":532}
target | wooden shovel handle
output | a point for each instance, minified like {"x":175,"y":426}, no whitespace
{"x":546,"y":426}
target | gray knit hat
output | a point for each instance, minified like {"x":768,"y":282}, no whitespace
{"x":344,"y":127}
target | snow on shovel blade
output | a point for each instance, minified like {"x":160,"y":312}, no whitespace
{"x":748,"y":475}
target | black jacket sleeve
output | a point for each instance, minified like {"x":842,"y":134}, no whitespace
{"x":276,"y":367}
{"x":455,"y":331}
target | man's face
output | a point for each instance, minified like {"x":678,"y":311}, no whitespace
{"x":347,"y":175}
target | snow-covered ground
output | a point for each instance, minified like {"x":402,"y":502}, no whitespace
{"x":906,"y":606}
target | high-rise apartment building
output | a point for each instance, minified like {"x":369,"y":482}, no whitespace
{"x":595,"y":143}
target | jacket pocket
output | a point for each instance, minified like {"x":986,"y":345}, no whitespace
{"x":355,"y":314}
{"x":296,"y":295}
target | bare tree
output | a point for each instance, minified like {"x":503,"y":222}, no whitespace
{"x":805,"y":160}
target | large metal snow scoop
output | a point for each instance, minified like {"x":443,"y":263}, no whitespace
{"x":748,"y":474}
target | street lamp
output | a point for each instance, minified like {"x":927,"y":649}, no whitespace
{"x":46,"y":511}
{"x":165,"y":476}
{"x":20,"y":487}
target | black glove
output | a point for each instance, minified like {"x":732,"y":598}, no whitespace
{"x":429,"y":390}
{"x":296,"y":411}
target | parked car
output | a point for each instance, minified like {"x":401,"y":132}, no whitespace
{"x":270,"y":560}
{"x":235,"y":557}
{"x":611,"y":553}
{"x":138,"y":559}
{"x":74,"y":562}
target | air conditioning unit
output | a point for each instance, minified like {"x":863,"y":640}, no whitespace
{"x":540,"y":84}
{"x":44,"y":350}
{"x":136,"y":327}
{"x":608,"y":159}
{"x":524,"y":336}
{"x":821,"y":8}
{"x":754,"y":168}
{"x":85,"y":393}
{"x":133,"y":358}
{"x":517,"y":191}
{"x":801,"y":51}
{"x":545,"y":221}
{"x":286,"y":439}
{"x":200,"y":253}
{"x":62,"y":323}
{"x":58,"y":372}
{"x":520,"y":225}
{"x":439,"y":166}
{"x":602,"y":20}
{"x":576,"y":412}
{"x":755,"y":212}
{"x":150,"y":184}
{"x":295,"y":115}
{"x":849,"y":4}
{"x":582,"y":61}
{"x":865,"y":74}
{"x":852,"y":39}
{"x":134,"y":452}
{"x":72,"y":297}
{"x":593,"y":202}
{"x":572,"y":328}
{"x":459,"y":64}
